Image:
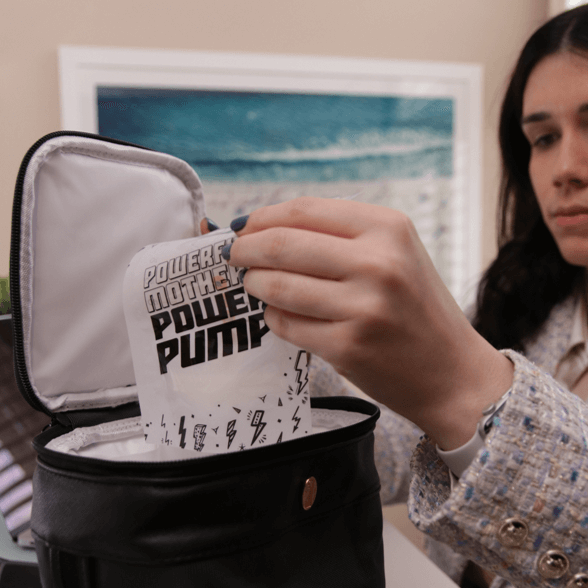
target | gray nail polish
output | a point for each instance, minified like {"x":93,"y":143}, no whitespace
{"x":226,"y":252}
{"x":212,"y":226}
{"x":239,"y":223}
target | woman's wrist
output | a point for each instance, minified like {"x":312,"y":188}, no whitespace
{"x":453,"y":423}
{"x":459,"y":459}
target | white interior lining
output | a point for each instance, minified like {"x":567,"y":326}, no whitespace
{"x":101,"y":398}
{"x":88,"y":207}
{"x":124,"y":440}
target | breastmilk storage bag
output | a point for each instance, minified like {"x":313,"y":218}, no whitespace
{"x":211,"y":376}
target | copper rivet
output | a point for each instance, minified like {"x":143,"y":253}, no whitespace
{"x":309,"y":493}
{"x":553,"y":564}
{"x":578,"y":580}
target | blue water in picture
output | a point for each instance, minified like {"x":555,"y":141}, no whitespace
{"x":262,"y":136}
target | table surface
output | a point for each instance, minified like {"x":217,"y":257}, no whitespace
{"x":406,"y":565}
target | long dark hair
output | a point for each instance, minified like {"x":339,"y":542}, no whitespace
{"x":529,"y":275}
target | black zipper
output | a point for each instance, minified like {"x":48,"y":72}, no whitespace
{"x":20,"y":368}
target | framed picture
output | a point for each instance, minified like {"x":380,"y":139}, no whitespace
{"x":262,"y":129}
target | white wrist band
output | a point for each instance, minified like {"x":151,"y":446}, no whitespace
{"x":458,"y":460}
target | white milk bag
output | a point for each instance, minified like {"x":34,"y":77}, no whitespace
{"x":211,"y":377}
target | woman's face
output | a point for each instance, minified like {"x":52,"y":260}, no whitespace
{"x":555,"y":121}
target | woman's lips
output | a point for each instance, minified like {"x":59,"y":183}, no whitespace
{"x":568,"y":220}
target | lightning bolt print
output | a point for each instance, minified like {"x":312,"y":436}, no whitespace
{"x":259,"y":425}
{"x":182,"y":432}
{"x":301,"y":360}
{"x":199,"y":436}
{"x":231,"y":431}
{"x":297,"y":419}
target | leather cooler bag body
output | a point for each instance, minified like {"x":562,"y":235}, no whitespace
{"x":106,"y":511}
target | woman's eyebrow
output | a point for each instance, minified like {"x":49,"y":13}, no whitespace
{"x":541,"y":116}
{"x":536,"y":117}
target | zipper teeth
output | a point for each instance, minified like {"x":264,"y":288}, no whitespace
{"x":22,"y":378}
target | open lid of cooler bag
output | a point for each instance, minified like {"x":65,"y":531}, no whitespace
{"x":84,"y":206}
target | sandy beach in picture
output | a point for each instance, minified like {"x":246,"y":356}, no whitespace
{"x":429,"y":202}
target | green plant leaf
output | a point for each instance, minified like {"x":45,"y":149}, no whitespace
{"x":4,"y":296}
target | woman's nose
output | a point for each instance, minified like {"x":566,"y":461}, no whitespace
{"x":571,"y":168}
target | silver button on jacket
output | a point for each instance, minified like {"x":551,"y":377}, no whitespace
{"x":513,"y":532}
{"x":578,"y":581}
{"x":553,"y":565}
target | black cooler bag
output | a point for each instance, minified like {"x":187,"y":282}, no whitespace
{"x":302,"y":513}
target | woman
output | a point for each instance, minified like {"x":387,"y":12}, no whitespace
{"x":352,"y":283}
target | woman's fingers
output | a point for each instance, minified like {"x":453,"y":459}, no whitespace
{"x":302,"y":295}
{"x":314,"y":335}
{"x":294,"y":250}
{"x":342,"y":218}
{"x":207,"y":226}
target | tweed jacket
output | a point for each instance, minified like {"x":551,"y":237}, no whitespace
{"x":521,"y":508}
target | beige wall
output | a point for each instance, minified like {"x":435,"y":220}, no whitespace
{"x":489,"y":32}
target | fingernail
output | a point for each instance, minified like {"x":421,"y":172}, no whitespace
{"x":239,"y":223}
{"x":212,"y":226}
{"x":264,"y":306}
{"x":226,"y":252}
{"x":242,"y":274}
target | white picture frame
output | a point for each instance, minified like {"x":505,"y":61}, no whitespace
{"x":85,"y":69}
{"x":557,"y":6}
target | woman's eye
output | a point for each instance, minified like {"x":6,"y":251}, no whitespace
{"x":544,"y":140}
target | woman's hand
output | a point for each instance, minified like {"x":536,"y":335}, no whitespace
{"x":353,"y":283}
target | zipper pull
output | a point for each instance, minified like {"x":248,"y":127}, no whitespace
{"x":50,"y":424}
{"x":62,"y":419}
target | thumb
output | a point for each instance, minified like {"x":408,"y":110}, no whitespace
{"x":207,"y":226}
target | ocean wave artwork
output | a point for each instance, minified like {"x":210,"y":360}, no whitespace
{"x":252,"y":149}
{"x":264,"y":136}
